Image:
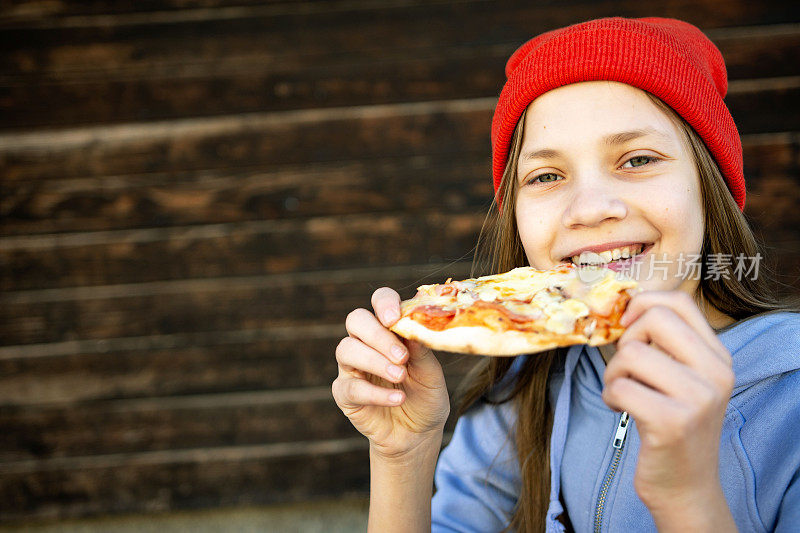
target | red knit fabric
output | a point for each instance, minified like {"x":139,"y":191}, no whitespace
{"x":669,"y":58}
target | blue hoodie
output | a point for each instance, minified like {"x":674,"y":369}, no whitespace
{"x":478,"y":479}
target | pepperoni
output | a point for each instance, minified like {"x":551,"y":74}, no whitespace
{"x":443,"y":290}
{"x":506,"y":311}
{"x":433,"y":310}
{"x":432,"y":316}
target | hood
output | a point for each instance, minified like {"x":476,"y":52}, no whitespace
{"x":762,"y":346}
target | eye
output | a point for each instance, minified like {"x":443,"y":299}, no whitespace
{"x":547,"y":177}
{"x":639,"y":161}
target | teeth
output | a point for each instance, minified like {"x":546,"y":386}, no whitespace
{"x":591,"y":258}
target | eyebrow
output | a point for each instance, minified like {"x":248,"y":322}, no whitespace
{"x":613,"y":139}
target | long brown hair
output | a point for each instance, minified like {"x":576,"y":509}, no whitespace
{"x":499,"y":249}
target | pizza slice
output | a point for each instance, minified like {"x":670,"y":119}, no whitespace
{"x":524,"y":310}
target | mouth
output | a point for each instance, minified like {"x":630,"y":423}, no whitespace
{"x":615,"y":258}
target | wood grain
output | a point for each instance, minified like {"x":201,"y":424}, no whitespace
{"x":270,"y":359}
{"x":389,"y":184}
{"x":247,"y":249}
{"x":117,"y":12}
{"x":292,"y":77}
{"x":154,"y":424}
{"x":23,"y":12}
{"x":209,"y":305}
{"x":248,"y":141}
{"x":183,"y":479}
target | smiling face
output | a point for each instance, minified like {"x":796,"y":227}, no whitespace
{"x":601,"y":166}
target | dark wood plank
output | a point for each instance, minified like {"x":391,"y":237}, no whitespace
{"x":128,"y":426}
{"x":165,"y":365}
{"x":248,"y":249}
{"x":22,"y":12}
{"x":187,"y":479}
{"x":773,"y":204}
{"x":177,"y":365}
{"x":758,"y":106}
{"x":48,"y":14}
{"x":352,"y":27}
{"x":251,"y":141}
{"x":357,"y":26}
{"x":172,"y":199}
{"x":260,"y":85}
{"x":154,"y":424}
{"x":770,"y":155}
{"x":771,"y":171}
{"x":207,"y":305}
{"x":230,"y":84}
{"x":759,"y":52}
{"x":771,"y":168}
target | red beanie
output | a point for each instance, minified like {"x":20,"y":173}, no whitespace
{"x":669,"y":58}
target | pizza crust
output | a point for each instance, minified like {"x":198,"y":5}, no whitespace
{"x":484,"y":341}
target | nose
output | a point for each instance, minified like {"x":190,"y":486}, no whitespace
{"x":592,"y":204}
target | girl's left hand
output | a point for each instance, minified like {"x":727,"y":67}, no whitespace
{"x":674,"y":377}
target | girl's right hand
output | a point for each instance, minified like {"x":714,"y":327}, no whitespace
{"x":364,"y":388}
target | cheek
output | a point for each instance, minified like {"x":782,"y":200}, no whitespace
{"x":526,"y":222}
{"x":681,"y":215}
{"x":535,"y":232}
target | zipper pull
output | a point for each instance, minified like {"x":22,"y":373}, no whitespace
{"x":622,"y":429}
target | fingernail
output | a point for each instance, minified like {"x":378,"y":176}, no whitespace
{"x":623,"y":320}
{"x":394,"y":371}
{"x":395,"y":397}
{"x":398,"y":352}
{"x":390,"y":316}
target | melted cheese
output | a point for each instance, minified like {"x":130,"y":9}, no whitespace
{"x":532,"y":311}
{"x":576,"y":308}
{"x":489,"y":294}
{"x":602,"y":295}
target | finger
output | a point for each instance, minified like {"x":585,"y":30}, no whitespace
{"x":644,"y":404}
{"x":353,"y":393}
{"x":354,"y":355}
{"x":681,"y":304}
{"x":660,"y":325}
{"x":355,"y":373}
{"x":655,"y":369}
{"x":386,"y":303}
{"x":363,"y":325}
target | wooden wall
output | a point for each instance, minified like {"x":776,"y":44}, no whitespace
{"x":195,"y":193}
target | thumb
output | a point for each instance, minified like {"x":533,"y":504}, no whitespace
{"x":417,"y":351}
{"x":421,"y":356}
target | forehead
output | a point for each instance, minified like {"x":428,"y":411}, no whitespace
{"x":593,"y":109}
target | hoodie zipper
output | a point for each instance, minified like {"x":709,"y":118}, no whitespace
{"x":618,"y":444}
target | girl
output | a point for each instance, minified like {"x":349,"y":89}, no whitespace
{"x":609,"y":134}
